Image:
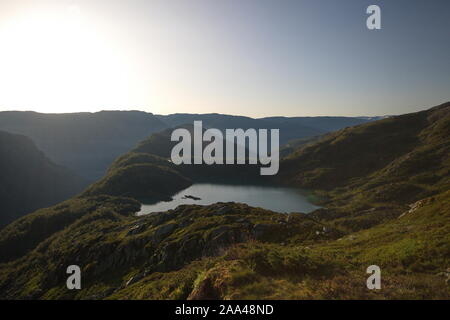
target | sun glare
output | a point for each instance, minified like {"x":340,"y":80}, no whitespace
{"x":56,"y":60}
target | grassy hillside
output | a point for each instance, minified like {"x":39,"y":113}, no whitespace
{"x":413,"y":252}
{"x":147,"y":173}
{"x":114,"y":246}
{"x":232,"y":251}
{"x":144,"y":180}
{"x":29,"y":180}
{"x":396,"y":160}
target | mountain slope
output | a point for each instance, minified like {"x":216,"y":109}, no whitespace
{"x":324,"y":123}
{"x":29,"y":180}
{"x":87,"y":143}
{"x":397,"y":159}
{"x":115,"y":247}
{"x":147,"y":173}
{"x":231,"y":251}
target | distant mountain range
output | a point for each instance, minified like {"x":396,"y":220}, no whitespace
{"x":88,"y":143}
{"x":290,"y":127}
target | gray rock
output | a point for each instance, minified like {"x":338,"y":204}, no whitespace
{"x":138,"y":228}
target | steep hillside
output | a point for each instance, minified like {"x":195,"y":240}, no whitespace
{"x":225,"y":251}
{"x":117,"y":249}
{"x":29,"y":180}
{"x":144,"y":180}
{"x":147,"y":173}
{"x":28,"y":232}
{"x":412,"y":251}
{"x":397,"y":160}
{"x":293,"y":145}
{"x":87,"y":143}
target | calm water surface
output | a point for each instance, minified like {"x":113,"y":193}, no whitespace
{"x":280,"y":199}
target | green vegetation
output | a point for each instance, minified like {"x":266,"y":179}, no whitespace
{"x":379,"y":167}
{"x":141,"y":181}
{"x":385,"y":191}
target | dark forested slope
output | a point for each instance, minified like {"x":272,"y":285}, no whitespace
{"x":86,"y":142}
{"x":29,"y":180}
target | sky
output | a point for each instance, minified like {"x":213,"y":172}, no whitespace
{"x":244,"y":57}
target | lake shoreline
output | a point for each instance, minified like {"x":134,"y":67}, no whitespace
{"x":272,"y":197}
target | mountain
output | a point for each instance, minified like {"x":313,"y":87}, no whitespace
{"x":141,"y":176}
{"x":372,"y":172}
{"x":323,"y":124}
{"x":29,"y":179}
{"x":147,"y":173}
{"x":87,"y":143}
{"x":293,"y":145}
{"x":416,"y":146}
{"x":385,"y":195}
{"x":290,"y":127}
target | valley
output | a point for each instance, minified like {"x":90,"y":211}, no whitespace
{"x":383,"y":191}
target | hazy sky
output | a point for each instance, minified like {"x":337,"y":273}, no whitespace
{"x":245,"y":57}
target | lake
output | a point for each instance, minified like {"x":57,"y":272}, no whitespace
{"x":280,"y":199}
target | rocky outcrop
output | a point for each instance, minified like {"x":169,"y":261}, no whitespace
{"x":105,"y":242}
{"x":416,"y":205}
